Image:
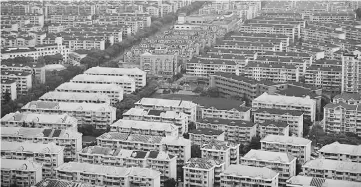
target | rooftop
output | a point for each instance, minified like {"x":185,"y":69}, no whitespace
{"x":268,"y":156}
{"x":114,"y":71}
{"x":278,"y":111}
{"x":61,"y":183}
{"x":102,"y":78}
{"x":74,"y":96}
{"x":337,"y":148}
{"x":39,"y":118}
{"x":49,"y":148}
{"x":202,"y":163}
{"x":150,"y":112}
{"x":144,"y":125}
{"x":250,"y":171}
{"x":343,"y":105}
{"x":239,"y":123}
{"x":6,"y":73}
{"x":206,"y":131}
{"x":348,"y":96}
{"x":286,"y":140}
{"x":218,"y":145}
{"x":26,"y":132}
{"x":12,"y":164}
{"x":165,"y":103}
{"x":335,"y":165}
{"x":305,"y":181}
{"x":63,"y":106}
{"x":285,"y":100}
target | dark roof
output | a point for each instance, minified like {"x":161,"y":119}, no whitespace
{"x":229,"y":122}
{"x":155,"y":112}
{"x":343,"y":105}
{"x":206,"y":131}
{"x":56,"y":133}
{"x":139,"y":154}
{"x":153,"y":154}
{"x":348,"y":96}
{"x":297,"y":91}
{"x":47,"y":132}
{"x":275,"y":123}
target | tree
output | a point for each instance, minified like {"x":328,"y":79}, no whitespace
{"x":53,"y":59}
{"x":89,"y":61}
{"x":7,"y":96}
{"x":298,"y":167}
{"x":358,"y":13}
{"x":213,"y":92}
{"x":316,"y":133}
{"x":180,"y":172}
{"x":170,"y":183}
{"x":186,"y":135}
{"x":255,"y":143}
{"x":198,"y":89}
{"x":196,"y":151}
{"x":235,"y":97}
{"x":306,"y":127}
{"x":191,"y":126}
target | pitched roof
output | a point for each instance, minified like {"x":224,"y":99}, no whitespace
{"x":250,"y":171}
{"x":206,"y":131}
{"x":348,"y":96}
{"x":286,"y":140}
{"x":151,"y":125}
{"x":202,"y":163}
{"x":338,"y":148}
{"x":278,"y":111}
{"x":13,"y":164}
{"x":61,"y":183}
{"x":229,"y":122}
{"x":51,"y":148}
{"x":39,"y":118}
{"x":335,"y":165}
{"x":306,"y":181}
{"x":269,"y":156}
{"x":286,"y":100}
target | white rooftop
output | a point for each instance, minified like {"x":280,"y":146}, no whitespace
{"x":74,"y":96}
{"x":114,"y":71}
{"x":39,"y":118}
{"x":177,"y":141}
{"x":103,"y":78}
{"x":305,"y":181}
{"x":166,"y":103}
{"x":63,"y":106}
{"x":144,"y":125}
{"x":268,"y":156}
{"x":12,"y":164}
{"x":88,"y":87}
{"x":163,"y":114}
{"x":338,"y":148}
{"x":335,"y":165}
{"x":51,"y":148}
{"x":27,"y":132}
{"x":250,"y":171}
{"x":286,"y":140}
{"x":284,"y":100}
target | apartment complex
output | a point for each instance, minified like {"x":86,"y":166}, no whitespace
{"x":160,"y":161}
{"x":127,"y":83}
{"x":144,"y":128}
{"x":70,"y":140}
{"x":351,"y":66}
{"x":108,"y":175}
{"x":293,"y":118}
{"x":235,"y":131}
{"x":138,"y":75}
{"x":221,"y":150}
{"x":48,"y":155}
{"x":332,"y":169}
{"x":97,"y":114}
{"x":75,"y":97}
{"x":114,"y":92}
{"x":35,"y":120}
{"x":20,"y":172}
{"x":295,"y":146}
{"x":177,"y":146}
{"x":248,"y":176}
{"x":201,"y":136}
{"x":179,"y":119}
{"x":341,"y":152}
{"x":186,"y":107}
{"x":165,"y":65}
{"x":282,"y":163}
{"x":305,"y":105}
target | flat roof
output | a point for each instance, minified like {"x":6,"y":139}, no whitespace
{"x":334,"y":165}
{"x":286,"y":140}
{"x":81,"y":96}
{"x":49,"y":148}
{"x":165,"y":103}
{"x":286,"y":100}
{"x":269,"y":156}
{"x":63,"y":106}
{"x":229,"y":122}
{"x":39,"y":118}
{"x":145,"y":125}
{"x":85,"y":86}
{"x":12,"y":164}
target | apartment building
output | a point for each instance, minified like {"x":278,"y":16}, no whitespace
{"x":179,"y":119}
{"x":302,"y":104}
{"x":221,"y":150}
{"x":37,"y":70}
{"x":23,"y":80}
{"x":177,"y":146}
{"x":285,"y":40}
{"x":288,"y":30}
{"x":8,"y":86}
{"x":160,"y":64}
{"x":321,"y":34}
{"x":127,"y":83}
{"x":48,"y":155}
{"x":201,"y":136}
{"x":186,"y":107}
{"x":160,"y":161}
{"x":235,"y":131}
{"x":34,"y":120}
{"x":246,"y":45}
{"x":75,"y":97}
{"x":97,"y":114}
{"x":341,"y":152}
{"x":138,"y":75}
{"x":113,"y":91}
{"x":327,"y":78}
{"x":248,"y":176}
{"x":294,"y":55}
{"x":299,"y":63}
{"x":315,"y":53}
{"x":351,"y":66}
{"x":230,"y":84}
{"x":205,"y":67}
{"x":295,"y":146}
{"x":20,"y":172}
{"x":144,"y":128}
{"x":60,"y":183}
{"x":70,"y":140}
{"x":348,"y":98}
{"x":273,"y":127}
{"x":275,"y":72}
{"x":291,"y":117}
{"x":108,"y":175}
{"x":332,"y":169}
{"x":332,"y":16}
{"x":203,"y":172}
{"x":305,"y":181}
{"x":75,"y":42}
{"x":224,"y":109}
{"x":35,"y":19}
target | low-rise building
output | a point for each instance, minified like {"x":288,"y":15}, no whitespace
{"x":23,"y":80}
{"x":113,"y":91}
{"x":53,"y":121}
{"x":138,"y":75}
{"x":177,"y":146}
{"x":342,"y":152}
{"x":8,"y":86}
{"x":48,"y":155}
{"x":75,"y":97}
{"x":186,"y":107}
{"x":108,"y":175}
{"x":160,"y":161}
{"x":235,"y":131}
{"x":127,"y":83}
{"x":100,"y":115}
{"x":201,"y":136}
{"x":20,"y":172}
{"x":179,"y":119}
{"x":305,"y":181}
{"x":295,"y":146}
{"x":144,"y":128}
{"x":203,"y":172}
{"x":248,"y":176}
{"x":332,"y":169}
{"x":293,"y":118}
{"x":221,"y":150}
{"x":302,"y":104}
{"x":282,"y":163}
{"x":70,"y":140}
